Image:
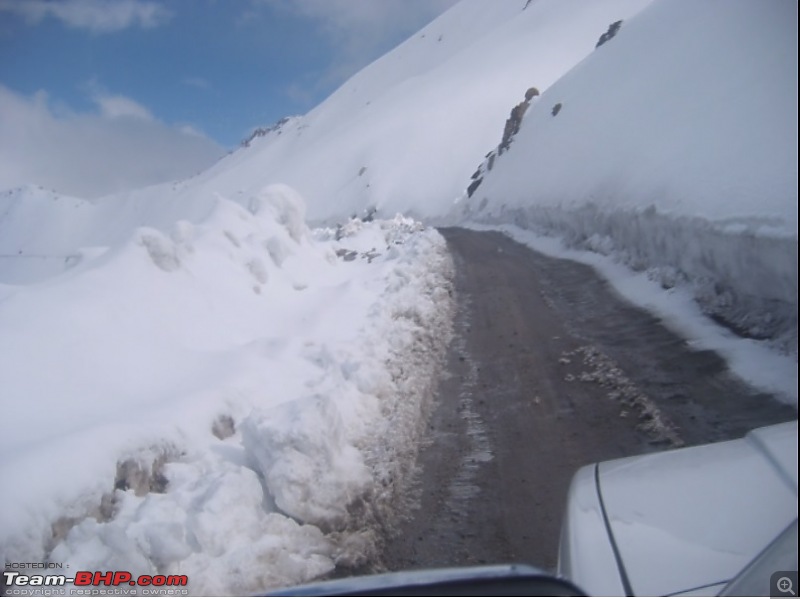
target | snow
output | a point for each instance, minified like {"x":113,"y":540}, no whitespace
{"x":754,"y":362}
{"x":117,"y":368}
{"x":711,"y":104}
{"x":675,"y":150}
{"x":196,"y":382}
{"x":405,"y":133}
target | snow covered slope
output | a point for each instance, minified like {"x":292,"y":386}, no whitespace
{"x":405,"y":133}
{"x":44,"y":233}
{"x":675,"y":149}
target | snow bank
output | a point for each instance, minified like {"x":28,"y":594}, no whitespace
{"x":675,"y":149}
{"x":310,"y":470}
{"x":753,"y":361}
{"x":214,"y":392}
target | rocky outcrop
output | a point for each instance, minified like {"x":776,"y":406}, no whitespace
{"x":513,"y":123}
{"x":263,"y":131}
{"x":612,"y":31}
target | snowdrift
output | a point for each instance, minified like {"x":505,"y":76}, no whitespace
{"x":232,"y":397}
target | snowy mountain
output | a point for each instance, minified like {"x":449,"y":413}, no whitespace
{"x":405,"y":133}
{"x":675,"y":149}
{"x":197,"y":381}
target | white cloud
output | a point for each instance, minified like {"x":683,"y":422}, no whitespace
{"x":93,"y":154}
{"x":114,"y":107}
{"x":197,"y":82}
{"x":361,"y":30}
{"x":99,"y":16}
{"x":367,"y":17}
{"x":190,"y":130}
{"x":298,"y":93}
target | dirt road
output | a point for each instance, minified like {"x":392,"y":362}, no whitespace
{"x":549,"y":370}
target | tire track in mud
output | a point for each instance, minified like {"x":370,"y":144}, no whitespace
{"x":549,"y":370}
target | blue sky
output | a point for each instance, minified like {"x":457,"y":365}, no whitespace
{"x":206,"y":71}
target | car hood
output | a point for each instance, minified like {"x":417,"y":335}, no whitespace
{"x":691,"y":519}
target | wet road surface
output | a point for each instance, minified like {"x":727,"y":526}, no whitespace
{"x":549,"y":370}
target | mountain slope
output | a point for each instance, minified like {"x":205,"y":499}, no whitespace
{"x":675,"y":149}
{"x":405,"y":133}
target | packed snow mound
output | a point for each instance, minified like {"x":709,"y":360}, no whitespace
{"x":229,"y":396}
{"x":404,"y":134}
{"x":310,"y":454}
{"x":674,"y":147}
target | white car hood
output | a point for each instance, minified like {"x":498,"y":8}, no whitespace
{"x":691,"y":519}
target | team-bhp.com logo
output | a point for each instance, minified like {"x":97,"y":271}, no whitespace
{"x":93,"y":583}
